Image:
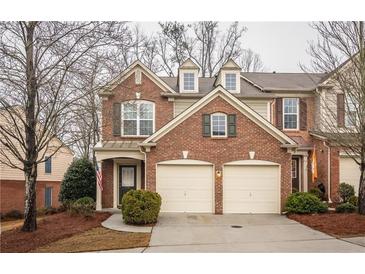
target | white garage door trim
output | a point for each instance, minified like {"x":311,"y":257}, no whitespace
{"x":254,"y":163}
{"x":189,"y":162}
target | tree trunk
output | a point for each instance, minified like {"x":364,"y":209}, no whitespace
{"x":31,"y":154}
{"x":362,"y":190}
{"x":30,"y":212}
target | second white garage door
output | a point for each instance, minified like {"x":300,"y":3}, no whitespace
{"x":185,"y":188}
{"x":251,"y":189}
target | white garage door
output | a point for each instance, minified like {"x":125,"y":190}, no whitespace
{"x":185,"y":188}
{"x":251,"y":189}
{"x":349,"y":172}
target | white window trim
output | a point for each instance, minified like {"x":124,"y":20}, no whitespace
{"x":298,"y":113}
{"x":225,"y":126}
{"x":238,"y":80}
{"x":181,"y":80}
{"x":138,"y":103}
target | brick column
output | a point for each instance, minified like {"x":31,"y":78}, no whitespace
{"x":218,"y":175}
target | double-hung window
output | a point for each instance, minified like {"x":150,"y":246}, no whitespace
{"x":350,"y":116}
{"x":137,"y":118}
{"x":189,"y":79}
{"x":219,"y":125}
{"x":231,"y":81}
{"x":291,"y":113}
{"x":48,"y":165}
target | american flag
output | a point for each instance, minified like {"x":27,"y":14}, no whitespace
{"x":99,"y":177}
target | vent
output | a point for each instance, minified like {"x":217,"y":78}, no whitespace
{"x":236,"y":226}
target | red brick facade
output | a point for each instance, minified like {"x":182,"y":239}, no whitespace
{"x":127,"y":91}
{"x":107,"y":193}
{"x":12,"y":194}
{"x":250,"y":137}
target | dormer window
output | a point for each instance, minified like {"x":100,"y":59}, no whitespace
{"x":189,"y":80}
{"x":231,"y":81}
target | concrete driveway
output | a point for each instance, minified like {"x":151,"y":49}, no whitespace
{"x":183,"y":232}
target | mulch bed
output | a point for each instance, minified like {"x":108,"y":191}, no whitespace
{"x":334,"y":224}
{"x":50,"y":229}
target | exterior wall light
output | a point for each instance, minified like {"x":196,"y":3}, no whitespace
{"x":218,"y":173}
{"x":138,"y":95}
{"x":185,"y":154}
{"x":252,"y":155}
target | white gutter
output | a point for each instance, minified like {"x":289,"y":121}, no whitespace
{"x":328,"y":170}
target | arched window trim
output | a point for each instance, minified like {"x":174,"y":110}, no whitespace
{"x":137,"y":118}
{"x":214,"y":123}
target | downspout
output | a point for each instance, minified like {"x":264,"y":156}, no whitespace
{"x":145,"y":167}
{"x":328,"y":170}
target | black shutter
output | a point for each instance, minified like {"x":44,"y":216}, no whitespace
{"x":340,"y":110}
{"x":279,"y":113}
{"x":231,"y":125}
{"x":303,"y":114}
{"x":206,"y":125}
{"x":116,"y":119}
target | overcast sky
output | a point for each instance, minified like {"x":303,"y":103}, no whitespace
{"x":281,"y":45}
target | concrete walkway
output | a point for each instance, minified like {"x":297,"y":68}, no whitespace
{"x":115,"y":222}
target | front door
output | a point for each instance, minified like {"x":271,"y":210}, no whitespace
{"x":127,"y":180}
{"x":295,"y":174}
{"x":48,"y":197}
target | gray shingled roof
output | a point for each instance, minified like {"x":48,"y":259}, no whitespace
{"x":207,"y":84}
{"x":285,"y":81}
{"x":257,"y":82}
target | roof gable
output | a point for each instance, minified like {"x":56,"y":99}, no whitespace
{"x":226,"y":95}
{"x":230,"y":64}
{"x":130,"y":70}
{"x":189,"y":64}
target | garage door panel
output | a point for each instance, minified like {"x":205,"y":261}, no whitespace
{"x":251,"y":189}
{"x":185,"y":188}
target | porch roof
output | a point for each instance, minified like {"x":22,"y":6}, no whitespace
{"x":117,"y":145}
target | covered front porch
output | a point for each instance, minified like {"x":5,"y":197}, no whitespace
{"x":123,"y":168}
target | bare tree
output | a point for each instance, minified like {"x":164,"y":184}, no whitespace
{"x":251,"y":61}
{"x":340,"y":51}
{"x":37,"y":62}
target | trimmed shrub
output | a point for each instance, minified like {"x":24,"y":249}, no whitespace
{"x":304,"y":202}
{"x":79,"y":181}
{"x":345,"y":208}
{"x":354,"y":200}
{"x":316,"y":192}
{"x":141,"y":207}
{"x":84,"y":206}
{"x":13,"y":214}
{"x":346,"y":191}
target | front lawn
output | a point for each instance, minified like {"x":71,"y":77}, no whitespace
{"x":334,"y":224}
{"x":50,"y":229}
{"x":98,"y":239}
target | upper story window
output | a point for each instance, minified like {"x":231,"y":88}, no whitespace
{"x":291,"y":113}
{"x":138,"y":118}
{"x":231,"y":83}
{"x":219,"y":125}
{"x":350,"y":116}
{"x":189,"y":80}
{"x":48,"y":165}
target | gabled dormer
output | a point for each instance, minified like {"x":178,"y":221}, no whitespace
{"x":188,"y":77}
{"x":229,"y":77}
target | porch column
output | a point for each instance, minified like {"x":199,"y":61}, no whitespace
{"x":115,"y":184}
{"x":98,"y":190}
{"x":305,"y":173}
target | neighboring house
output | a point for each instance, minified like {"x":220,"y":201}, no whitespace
{"x":234,"y":143}
{"x":50,"y":175}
